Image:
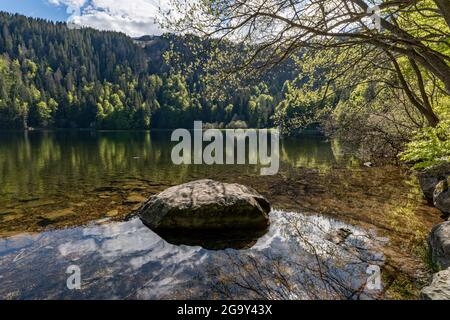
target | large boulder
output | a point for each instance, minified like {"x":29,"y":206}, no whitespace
{"x":439,"y":243}
{"x":207,"y":213}
{"x":441,"y":197}
{"x":439,"y":288}
{"x":430,"y":177}
{"x":206,"y":205}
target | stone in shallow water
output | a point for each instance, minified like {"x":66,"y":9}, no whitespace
{"x":134,"y":187}
{"x":105,"y":189}
{"x":29,"y":199}
{"x":10,"y":217}
{"x":135,"y":198}
{"x":37,"y":203}
{"x":439,"y":288}
{"x":9,"y":212}
{"x":206,"y":205}
{"x":80,"y":204}
{"x":59,"y":213}
{"x":113,"y":213}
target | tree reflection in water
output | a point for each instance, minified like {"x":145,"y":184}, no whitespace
{"x":311,"y":258}
{"x":301,"y":257}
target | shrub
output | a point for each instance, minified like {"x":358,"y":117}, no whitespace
{"x":430,"y":146}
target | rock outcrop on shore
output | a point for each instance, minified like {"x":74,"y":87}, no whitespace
{"x":439,"y":288}
{"x":439,"y":244}
{"x":430,"y":178}
{"x":441,"y":196}
{"x":435,"y":184}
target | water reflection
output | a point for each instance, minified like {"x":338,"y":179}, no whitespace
{"x":216,"y":240}
{"x":55,"y":180}
{"x":67,"y":178}
{"x":299,"y":258}
{"x":34,"y":164}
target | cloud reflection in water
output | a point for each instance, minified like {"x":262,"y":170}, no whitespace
{"x":301,"y":257}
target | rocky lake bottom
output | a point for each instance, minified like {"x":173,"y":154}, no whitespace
{"x":65,"y":196}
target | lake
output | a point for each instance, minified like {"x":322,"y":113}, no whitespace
{"x":64,"y":197}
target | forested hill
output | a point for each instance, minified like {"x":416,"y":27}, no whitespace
{"x":55,"y":77}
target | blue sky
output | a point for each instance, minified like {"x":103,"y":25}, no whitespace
{"x":133,"y":17}
{"x":35,"y":8}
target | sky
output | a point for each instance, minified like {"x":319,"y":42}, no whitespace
{"x":133,"y":17}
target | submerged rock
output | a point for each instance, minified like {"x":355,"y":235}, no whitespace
{"x":135,"y":198}
{"x":206,"y":205}
{"x":439,"y":243}
{"x":430,"y":177}
{"x":59,"y":213}
{"x":439,"y":288}
{"x":441,"y":197}
{"x":113,"y":213}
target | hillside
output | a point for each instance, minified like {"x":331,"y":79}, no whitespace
{"x":56,"y":77}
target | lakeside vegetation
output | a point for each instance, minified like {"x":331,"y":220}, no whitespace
{"x":374,"y":73}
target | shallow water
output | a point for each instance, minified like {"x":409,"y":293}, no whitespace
{"x":54,"y":179}
{"x":54,"y":183}
{"x":299,"y":258}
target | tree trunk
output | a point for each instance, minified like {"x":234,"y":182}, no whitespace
{"x":444,"y":8}
{"x":426,"y":57}
{"x":435,"y":65}
{"x":422,"y":106}
{"x":431,"y":117}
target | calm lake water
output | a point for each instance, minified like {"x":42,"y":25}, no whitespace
{"x":64,"y":196}
{"x":48,"y":177}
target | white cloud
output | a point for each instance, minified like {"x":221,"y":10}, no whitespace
{"x":69,"y":3}
{"x":133,"y":17}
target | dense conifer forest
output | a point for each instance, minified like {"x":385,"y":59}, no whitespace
{"x":52,"y":76}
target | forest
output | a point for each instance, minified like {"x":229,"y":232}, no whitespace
{"x":389,"y":102}
{"x":56,"y":77}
